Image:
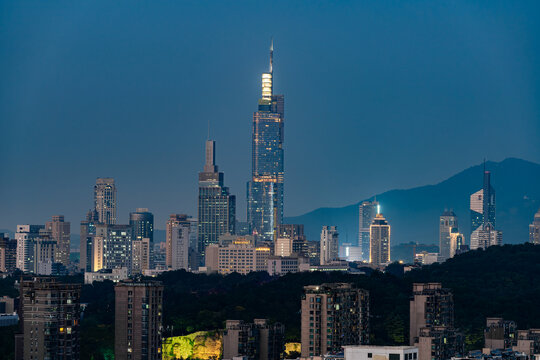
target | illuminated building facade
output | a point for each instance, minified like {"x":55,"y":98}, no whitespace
{"x":138,"y":320}
{"x":240,"y":256}
{"x":379,"y":235}
{"x":105,"y":200}
{"x":366,"y":213}
{"x":112,"y":247}
{"x":265,"y":190}
{"x":88,"y":231}
{"x":217,"y":207}
{"x":333,"y":315}
{"x":534,"y":229}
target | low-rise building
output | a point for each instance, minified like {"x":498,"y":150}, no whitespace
{"x":371,"y":352}
{"x":278,"y":265}
{"x":114,"y":275}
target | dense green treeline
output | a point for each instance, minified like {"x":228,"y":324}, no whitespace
{"x":500,"y":281}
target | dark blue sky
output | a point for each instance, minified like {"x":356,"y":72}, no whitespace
{"x":379,"y":95}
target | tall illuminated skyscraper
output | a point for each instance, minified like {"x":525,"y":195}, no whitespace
{"x":217,"y":207}
{"x":447,"y":222}
{"x":265,"y":190}
{"x":366,"y":214}
{"x":483,"y":214}
{"x":105,"y":200}
{"x":379,"y":241}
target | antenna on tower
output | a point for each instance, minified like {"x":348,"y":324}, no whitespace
{"x":271,"y":54}
{"x":208,"y":138}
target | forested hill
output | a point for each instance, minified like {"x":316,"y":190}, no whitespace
{"x":501,"y":281}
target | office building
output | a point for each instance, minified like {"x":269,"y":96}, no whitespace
{"x":373,"y":352}
{"x":379,"y":237}
{"x":142,"y":227}
{"x":482,"y":204}
{"x":44,"y":255}
{"x":114,"y":275}
{"x":265,"y":190}
{"x":278,"y":265}
{"x":366,"y":213}
{"x":457,"y":242}
{"x":426,"y":258}
{"x":485,"y":237}
{"x":333,"y":315}
{"x":329,"y":245}
{"x":431,"y":305}
{"x":217,"y":207}
{"x":297,"y":242}
{"x":351,"y":253}
{"x":257,"y":340}
{"x":314,"y":252}
{"x":240,"y":256}
{"x":534,"y":229}
{"x":138,"y":320}
{"x":88,"y":231}
{"x":25,"y":236}
{"x":105,"y":200}
{"x":60,"y":231}
{"x":50,"y":319}
{"x":8,"y":253}
{"x":112,"y":247}
{"x":447,"y":222}
{"x":500,"y":334}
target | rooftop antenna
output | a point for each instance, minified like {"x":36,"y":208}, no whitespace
{"x":208,"y":138}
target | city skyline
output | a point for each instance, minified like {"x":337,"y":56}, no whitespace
{"x":347,"y":83}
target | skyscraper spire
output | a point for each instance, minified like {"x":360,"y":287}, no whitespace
{"x":210,"y":165}
{"x":271,"y":55}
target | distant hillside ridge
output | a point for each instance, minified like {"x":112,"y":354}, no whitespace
{"x":414,"y":213}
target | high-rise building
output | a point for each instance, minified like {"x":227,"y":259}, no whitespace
{"x":457,"y":242}
{"x":217,"y":207}
{"x":140,"y":255}
{"x":265,"y":190}
{"x":50,"y":317}
{"x":431,"y":305}
{"x":258,"y":340}
{"x":142,"y":224}
{"x":25,"y":236}
{"x":44,"y":254}
{"x":138,"y":320}
{"x":447,"y":222}
{"x":112,"y":247}
{"x":60,"y":231}
{"x":440,"y":343}
{"x":298,"y":242}
{"x":329,"y":245}
{"x":534,"y":229}
{"x":8,"y":253}
{"x":333,"y":315}
{"x":500,"y":334}
{"x":482,"y":211}
{"x":366,"y":213}
{"x":379,"y":238}
{"x":485,"y":237}
{"x":105,"y":200}
{"x":88,"y":231}
{"x":179,"y":242}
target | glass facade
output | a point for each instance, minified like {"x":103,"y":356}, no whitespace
{"x":265,"y":190}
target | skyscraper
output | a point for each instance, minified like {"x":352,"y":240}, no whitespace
{"x":142,"y":227}
{"x":482,"y":211}
{"x":534,"y":229}
{"x":447,"y":222}
{"x":105,"y":200}
{"x":138,"y":314}
{"x":178,"y":242}
{"x":265,"y":190}
{"x":217,"y":207}
{"x":88,"y":231}
{"x":366,"y":213}
{"x":50,"y":319}
{"x":26,"y":236}
{"x":333,"y":315}
{"x":329,"y":245}
{"x":112,"y":247}
{"x":379,"y":237}
{"x":60,"y":231}
{"x":8,"y":253}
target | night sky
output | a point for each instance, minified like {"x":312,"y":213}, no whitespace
{"x":378,"y":95}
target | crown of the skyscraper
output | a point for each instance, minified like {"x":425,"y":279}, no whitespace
{"x":267,"y":89}
{"x":210,"y":164}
